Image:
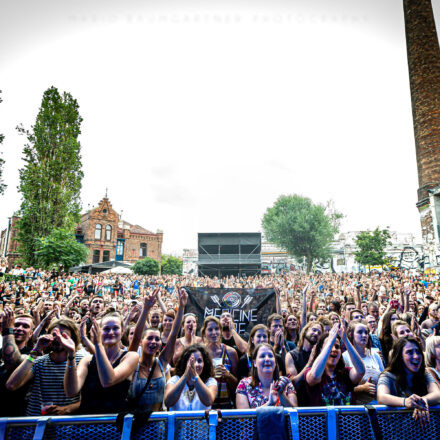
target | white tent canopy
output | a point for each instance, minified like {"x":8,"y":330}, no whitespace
{"x":119,"y":269}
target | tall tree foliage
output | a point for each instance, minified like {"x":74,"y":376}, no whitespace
{"x":147,"y":266}
{"x":371,"y":247}
{"x":60,"y":250}
{"x":2,"y":161}
{"x":171,"y":265}
{"x":50,"y":181}
{"x":304,"y":229}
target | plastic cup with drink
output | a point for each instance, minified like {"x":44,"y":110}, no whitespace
{"x":44,"y":407}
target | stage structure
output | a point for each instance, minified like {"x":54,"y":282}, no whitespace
{"x":226,"y":254}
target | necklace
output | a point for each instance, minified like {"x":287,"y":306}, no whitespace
{"x":190,"y":394}
{"x":114,"y":358}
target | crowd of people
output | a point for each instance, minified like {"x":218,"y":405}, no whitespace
{"x":94,"y":344}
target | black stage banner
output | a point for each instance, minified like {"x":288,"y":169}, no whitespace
{"x":248,"y":307}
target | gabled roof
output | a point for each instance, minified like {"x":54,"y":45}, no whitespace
{"x":136,"y":229}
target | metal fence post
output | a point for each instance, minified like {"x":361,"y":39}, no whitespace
{"x":332,"y":426}
{"x":126,"y":429}
{"x":40,"y":428}
{"x":171,"y":419}
{"x":294,"y":422}
{"x":213,"y":422}
{"x":3,"y":422}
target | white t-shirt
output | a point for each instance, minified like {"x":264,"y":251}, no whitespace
{"x":185,"y":403}
{"x":373,"y":364}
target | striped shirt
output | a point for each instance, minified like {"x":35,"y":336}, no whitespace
{"x":48,"y":384}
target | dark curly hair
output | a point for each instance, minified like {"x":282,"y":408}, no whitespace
{"x":208,"y":366}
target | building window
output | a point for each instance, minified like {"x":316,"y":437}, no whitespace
{"x":106,"y":256}
{"x":120,"y":248}
{"x":143,"y":250}
{"x":108,"y":232}
{"x":96,"y":256}
{"x":98,"y":229}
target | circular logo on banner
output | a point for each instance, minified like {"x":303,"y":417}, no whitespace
{"x":232,"y":299}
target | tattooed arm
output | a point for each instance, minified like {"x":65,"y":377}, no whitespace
{"x":10,"y":353}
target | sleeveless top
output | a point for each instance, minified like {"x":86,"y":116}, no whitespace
{"x":95,"y":399}
{"x":223,"y":399}
{"x":153,"y":394}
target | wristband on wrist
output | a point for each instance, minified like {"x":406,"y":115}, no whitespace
{"x":34,"y":353}
{"x":71,"y":357}
{"x":196,"y":378}
{"x":404,"y":402}
{"x":7,"y":331}
{"x":30,"y":359}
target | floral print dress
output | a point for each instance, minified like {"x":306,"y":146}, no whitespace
{"x":255,"y":395}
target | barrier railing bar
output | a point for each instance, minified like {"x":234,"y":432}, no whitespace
{"x":3,"y":422}
{"x":40,"y":428}
{"x":213,"y":422}
{"x":126,"y":429}
{"x":171,"y":425}
{"x":332,"y":427}
{"x":294,"y":422}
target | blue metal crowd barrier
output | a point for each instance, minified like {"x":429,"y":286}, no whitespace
{"x":331,"y":423}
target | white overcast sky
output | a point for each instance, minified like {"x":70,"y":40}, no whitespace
{"x":199,"y":114}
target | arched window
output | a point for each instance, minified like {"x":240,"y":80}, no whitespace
{"x":98,"y":229}
{"x":108,"y":232}
{"x":143,"y":250}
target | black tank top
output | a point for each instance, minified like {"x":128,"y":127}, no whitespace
{"x":95,"y":399}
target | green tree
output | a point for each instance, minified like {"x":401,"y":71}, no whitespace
{"x":50,"y":181}
{"x":60,"y":250}
{"x":147,"y":266}
{"x":171,"y":265}
{"x":371,"y":247}
{"x":2,"y":161}
{"x":304,"y":229}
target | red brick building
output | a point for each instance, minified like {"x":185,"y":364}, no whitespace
{"x":107,"y":236}
{"x":8,"y":241}
{"x":424,"y":75}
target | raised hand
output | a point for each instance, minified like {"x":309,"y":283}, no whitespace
{"x":273,"y":395}
{"x":190,"y":371}
{"x":8,"y":318}
{"x":66,"y":341}
{"x":183,"y":297}
{"x":96,"y":333}
{"x":44,"y":342}
{"x":342,"y":329}
{"x":304,"y":292}
{"x":150,"y":300}
{"x":279,"y":338}
{"x":282,"y":383}
{"x":333,"y":333}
